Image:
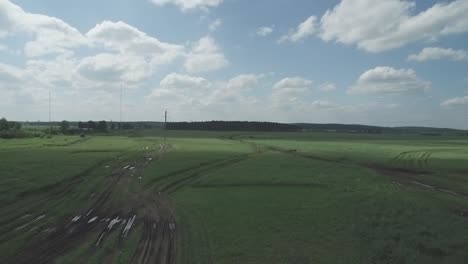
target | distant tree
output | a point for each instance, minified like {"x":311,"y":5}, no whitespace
{"x":112,"y":126}
{"x":127,"y":126}
{"x":3,"y":124}
{"x":80,"y":125}
{"x":15,"y":125}
{"x":10,"y":129}
{"x":91,"y":124}
{"x":102,"y":126}
{"x":64,"y":126}
{"x":232,"y":126}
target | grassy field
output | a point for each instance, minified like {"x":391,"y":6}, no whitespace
{"x":234,"y":197}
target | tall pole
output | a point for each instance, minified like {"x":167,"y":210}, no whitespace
{"x":121,"y":92}
{"x":50,"y":112}
{"x":165,"y":126}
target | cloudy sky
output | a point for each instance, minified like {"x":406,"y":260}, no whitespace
{"x":380,"y":62}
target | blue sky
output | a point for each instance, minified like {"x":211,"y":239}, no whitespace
{"x":389,"y":62}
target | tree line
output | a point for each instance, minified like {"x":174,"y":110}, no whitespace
{"x":9,"y":129}
{"x":91,"y":126}
{"x":232,"y":126}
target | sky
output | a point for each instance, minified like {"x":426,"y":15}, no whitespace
{"x":377,"y":62}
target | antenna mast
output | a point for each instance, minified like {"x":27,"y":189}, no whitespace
{"x":50,"y":112}
{"x":165,"y":126}
{"x":121,"y":92}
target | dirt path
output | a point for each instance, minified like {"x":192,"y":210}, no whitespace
{"x":93,"y":224}
{"x":90,"y":228}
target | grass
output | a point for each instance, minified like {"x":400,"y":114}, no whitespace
{"x":289,"y":210}
{"x":245,"y":197}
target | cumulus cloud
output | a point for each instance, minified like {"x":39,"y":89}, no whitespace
{"x":194,"y":95}
{"x":177,"y":82}
{"x":122,"y":53}
{"x":265,"y":31}
{"x":436,"y":53}
{"x":456,"y":101}
{"x":186,"y":5}
{"x":215,"y":24}
{"x":377,"y":26}
{"x":327,"y":87}
{"x":321,"y":104}
{"x":387,"y":80}
{"x":235,"y":88}
{"x":49,"y":35}
{"x":126,"y":39}
{"x":293,"y":83}
{"x":205,"y":56}
{"x":304,"y":30}
{"x":113,"y":68}
{"x":290,"y":92}
{"x":59,"y":58}
{"x":10,"y":74}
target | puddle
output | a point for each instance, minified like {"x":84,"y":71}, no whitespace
{"x":128,"y":226}
{"x":100,"y":238}
{"x":92,"y":219}
{"x":90,"y":211}
{"x":171,"y":226}
{"x":423,"y":185}
{"x":113,"y":222}
{"x":25,"y":225}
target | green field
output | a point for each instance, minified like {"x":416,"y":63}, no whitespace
{"x":234,"y":197}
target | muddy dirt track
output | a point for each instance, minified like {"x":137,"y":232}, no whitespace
{"x":100,"y":229}
{"x":91,"y":226}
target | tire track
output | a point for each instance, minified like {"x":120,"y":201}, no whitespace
{"x":70,"y":233}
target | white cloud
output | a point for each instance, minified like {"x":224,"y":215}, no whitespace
{"x":327,"y":87}
{"x":293,"y":83}
{"x":205,"y":56}
{"x":376,"y":26}
{"x":319,"y":104}
{"x":215,"y":24}
{"x":456,"y":101}
{"x":235,"y":88}
{"x":10,"y":75}
{"x":178,"y":82}
{"x":304,"y":30}
{"x":387,"y":80}
{"x":59,"y":72}
{"x":121,"y":37}
{"x":265,"y":31}
{"x":436,"y":53}
{"x":186,"y":5}
{"x":196,"y":94}
{"x":114,"y":68}
{"x":49,"y":35}
{"x":290,"y":92}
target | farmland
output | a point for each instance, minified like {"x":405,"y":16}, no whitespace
{"x":234,"y":197}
